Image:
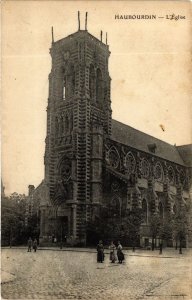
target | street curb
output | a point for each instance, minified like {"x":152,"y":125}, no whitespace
{"x":94,"y":251}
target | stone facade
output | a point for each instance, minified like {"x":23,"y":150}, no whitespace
{"x":92,"y":160}
{"x":33,"y":201}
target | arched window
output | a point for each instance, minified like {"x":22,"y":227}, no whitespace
{"x":158,"y":172}
{"x":171,"y":175}
{"x":130,"y":163}
{"x":92,"y":82}
{"x":145,"y":210}
{"x":161,"y":213}
{"x":145,"y":168}
{"x":114,"y":158}
{"x":99,"y":86}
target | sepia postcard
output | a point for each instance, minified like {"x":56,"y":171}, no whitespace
{"x":96,"y":182}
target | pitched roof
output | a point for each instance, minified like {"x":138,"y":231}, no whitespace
{"x":186,"y":154}
{"x":139,"y":140}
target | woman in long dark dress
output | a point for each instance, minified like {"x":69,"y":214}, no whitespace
{"x":100,"y":252}
{"x":120,"y":254}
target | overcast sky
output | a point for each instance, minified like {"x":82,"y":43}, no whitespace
{"x":150,"y":67}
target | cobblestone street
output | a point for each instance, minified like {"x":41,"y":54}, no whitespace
{"x":49,"y":274}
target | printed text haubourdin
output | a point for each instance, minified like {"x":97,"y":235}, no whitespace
{"x":173,"y":16}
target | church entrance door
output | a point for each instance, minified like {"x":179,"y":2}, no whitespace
{"x":63,"y":229}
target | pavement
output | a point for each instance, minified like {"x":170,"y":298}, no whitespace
{"x":73,"y":273}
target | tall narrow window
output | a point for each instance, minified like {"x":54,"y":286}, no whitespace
{"x":99,"y":86}
{"x":61,"y":127}
{"x":70,"y":81}
{"x":56,"y":126}
{"x":66,"y":124}
{"x":71,"y":123}
{"x":64,"y":88}
{"x":92,"y":82}
{"x":161,"y":210}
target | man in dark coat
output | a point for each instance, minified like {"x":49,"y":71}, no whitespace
{"x":29,"y":244}
{"x":100,"y":252}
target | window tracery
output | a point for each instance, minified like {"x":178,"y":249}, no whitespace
{"x":65,"y":170}
{"x":182,"y":177}
{"x":114,"y":158}
{"x":130,"y":163}
{"x":145,"y":168}
{"x":171,"y":175}
{"x":158,"y":172}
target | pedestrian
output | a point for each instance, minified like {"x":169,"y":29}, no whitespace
{"x":160,"y":247}
{"x":120,"y":253}
{"x":100,"y":252}
{"x":112,"y":250}
{"x":29,"y":244}
{"x":35,"y":245}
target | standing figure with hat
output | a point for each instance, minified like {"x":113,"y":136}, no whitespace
{"x":100,"y":252}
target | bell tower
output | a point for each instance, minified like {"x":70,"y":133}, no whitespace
{"x":78,"y":120}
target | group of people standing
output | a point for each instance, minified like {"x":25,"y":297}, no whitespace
{"x":115,"y":252}
{"x":32,"y":244}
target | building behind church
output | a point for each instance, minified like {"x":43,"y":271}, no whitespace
{"x":92,"y":161}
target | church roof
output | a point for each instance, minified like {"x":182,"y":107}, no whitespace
{"x":139,"y":140}
{"x":186,"y":154}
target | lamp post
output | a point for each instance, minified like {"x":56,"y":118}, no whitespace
{"x":10,"y":240}
{"x":61,"y":246}
{"x":160,"y":246}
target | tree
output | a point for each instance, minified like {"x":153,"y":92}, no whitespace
{"x":180,"y":225}
{"x":12,"y":220}
{"x":110,"y":226}
{"x":155,"y":224}
{"x":165,"y":230}
{"x":130,"y":226}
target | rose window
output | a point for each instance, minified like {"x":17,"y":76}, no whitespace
{"x":145,"y":168}
{"x":114,"y":158}
{"x":158,"y":172}
{"x":130,"y":163}
{"x":171,"y":175}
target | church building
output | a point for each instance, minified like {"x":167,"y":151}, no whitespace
{"x":92,"y":161}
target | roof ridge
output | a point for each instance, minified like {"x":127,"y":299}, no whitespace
{"x":145,"y":133}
